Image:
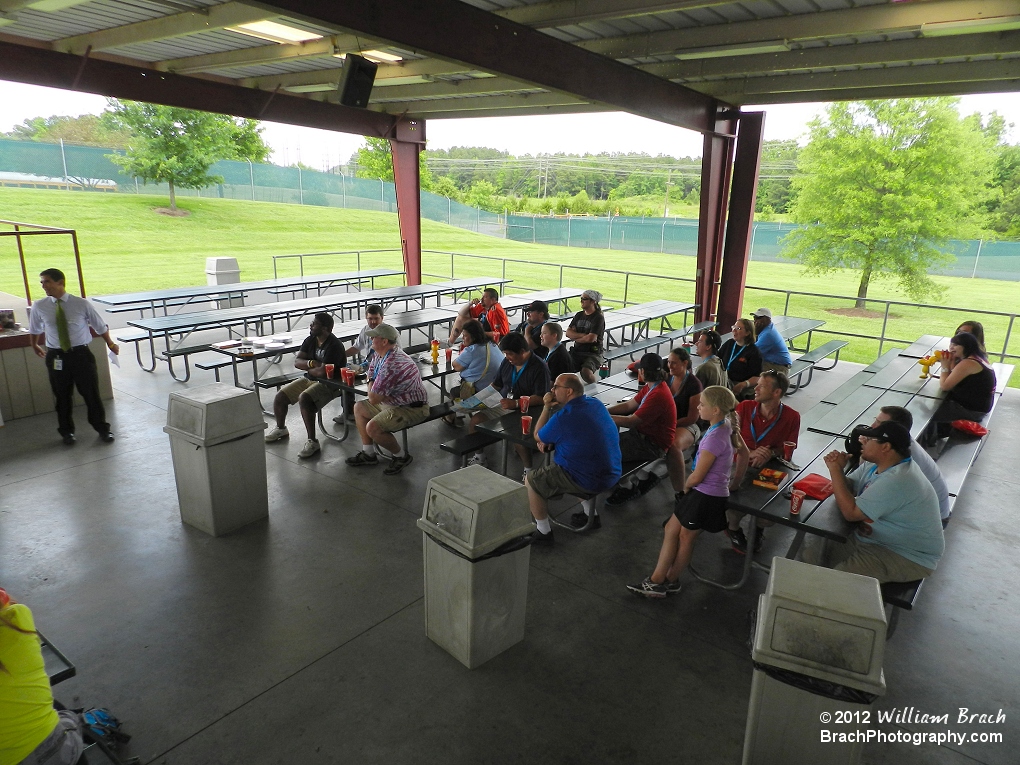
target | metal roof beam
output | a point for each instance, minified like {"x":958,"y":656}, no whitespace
{"x":561,"y":13}
{"x":456,"y":31}
{"x":872,"y":19}
{"x":897,"y":51}
{"x":529,"y":111}
{"x":464,"y":106}
{"x":899,"y":91}
{"x":177,"y":25}
{"x":417,"y":67}
{"x":263,"y":54}
{"x":449,"y":88}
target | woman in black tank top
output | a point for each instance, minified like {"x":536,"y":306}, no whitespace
{"x":967,"y":375}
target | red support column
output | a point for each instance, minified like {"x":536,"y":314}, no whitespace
{"x":737,"y":249}
{"x":716,"y":162}
{"x":406,"y":143}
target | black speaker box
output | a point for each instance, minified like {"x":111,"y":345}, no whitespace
{"x":358,"y":78}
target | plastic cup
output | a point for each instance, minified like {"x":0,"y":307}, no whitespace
{"x":796,"y":500}
{"x":788,"y":447}
{"x":525,"y":402}
{"x":329,"y":371}
{"x":348,"y":375}
{"x":449,"y":355}
{"x":525,"y":424}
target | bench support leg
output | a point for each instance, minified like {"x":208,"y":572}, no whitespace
{"x":749,"y":563}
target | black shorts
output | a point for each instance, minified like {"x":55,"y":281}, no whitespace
{"x":697,"y":511}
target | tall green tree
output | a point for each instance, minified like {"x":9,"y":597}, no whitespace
{"x":375,"y":161}
{"x":881,"y":184}
{"x":178,"y":146}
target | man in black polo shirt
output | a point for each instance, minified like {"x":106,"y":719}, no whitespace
{"x":522,"y":373}
{"x":318,"y":349}
{"x":586,"y":330}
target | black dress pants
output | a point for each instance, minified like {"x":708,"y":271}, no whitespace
{"x":78,"y":370}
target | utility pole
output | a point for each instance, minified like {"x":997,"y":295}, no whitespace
{"x":665,"y":209}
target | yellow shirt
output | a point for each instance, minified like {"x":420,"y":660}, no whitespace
{"x":27,"y":716}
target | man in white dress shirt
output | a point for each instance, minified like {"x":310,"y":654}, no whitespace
{"x":59,"y":327}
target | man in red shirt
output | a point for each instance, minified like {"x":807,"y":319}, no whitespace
{"x":766,"y":424}
{"x":651,"y":419}
{"x":489,"y":312}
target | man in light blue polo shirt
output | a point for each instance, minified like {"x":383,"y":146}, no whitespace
{"x":774,"y":353}
{"x":899,"y":536}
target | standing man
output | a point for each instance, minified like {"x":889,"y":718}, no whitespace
{"x":586,"y":330}
{"x":319,"y":349}
{"x":488,"y":311}
{"x":59,"y":328}
{"x":535,"y":317}
{"x":774,"y":353}
{"x":586,"y":458}
{"x":397,"y":399}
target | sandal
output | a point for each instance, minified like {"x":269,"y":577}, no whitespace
{"x":452,"y":420}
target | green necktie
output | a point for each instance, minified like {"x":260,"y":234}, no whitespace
{"x":62,"y":334}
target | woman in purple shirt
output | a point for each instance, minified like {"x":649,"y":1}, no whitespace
{"x":702,"y":507}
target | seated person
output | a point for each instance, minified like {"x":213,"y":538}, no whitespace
{"x":766,"y":424}
{"x":702,"y":506}
{"x":586,"y":457}
{"x":522,"y":373}
{"x":686,"y":389}
{"x":557,"y":358}
{"x":586,"y":330}
{"x":969,"y":379}
{"x":397,"y":399}
{"x":920,"y":457}
{"x":898,"y":537}
{"x":650,"y":419}
{"x":318,"y":349}
{"x":536,"y":315}
{"x":774,"y":353}
{"x":976,"y":328}
{"x":488,"y":311}
{"x":31,"y":730}
{"x":742,"y":359}
{"x":478,"y":362}
{"x":362,"y":349}
{"x":710,"y":371}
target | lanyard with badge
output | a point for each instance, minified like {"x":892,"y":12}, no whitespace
{"x":873,"y":475}
{"x":375,"y":370}
{"x":735,"y":354}
{"x":754,"y":433}
{"x":515,"y":375}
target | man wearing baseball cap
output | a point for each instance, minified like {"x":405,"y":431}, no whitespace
{"x":535,"y":316}
{"x":586,"y":330}
{"x":397,"y":399}
{"x":899,"y":533}
{"x":651,"y":421}
{"x":774,"y":353}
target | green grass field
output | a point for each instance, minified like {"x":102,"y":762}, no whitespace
{"x":127,"y":247}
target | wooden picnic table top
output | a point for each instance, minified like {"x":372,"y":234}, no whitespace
{"x":311,"y":280}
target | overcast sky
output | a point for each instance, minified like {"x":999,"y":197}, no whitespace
{"x":578,"y":133}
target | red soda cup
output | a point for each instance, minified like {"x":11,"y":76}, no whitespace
{"x":525,"y":401}
{"x":525,"y":424}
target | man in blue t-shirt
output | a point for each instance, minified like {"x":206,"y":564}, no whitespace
{"x":774,"y":353}
{"x":899,"y":533}
{"x":586,"y":459}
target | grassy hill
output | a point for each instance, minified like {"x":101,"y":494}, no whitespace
{"x":126,"y":246}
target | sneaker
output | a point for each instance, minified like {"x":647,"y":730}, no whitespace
{"x":478,"y":458}
{"x":276,"y":434}
{"x":622,"y":495}
{"x":311,"y":447}
{"x":580,"y":519}
{"x":648,"y":484}
{"x":649,"y":589}
{"x":538,"y":538}
{"x":398,"y":463}
{"x":68,"y":439}
{"x":737,"y":540}
{"x":673,"y":588}
{"x":361,"y":459}
{"x":759,"y":539}
{"x":106,"y":438}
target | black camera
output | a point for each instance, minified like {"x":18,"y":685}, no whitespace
{"x":853,"y":441}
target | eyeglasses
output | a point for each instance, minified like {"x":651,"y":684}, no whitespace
{"x":554,"y":387}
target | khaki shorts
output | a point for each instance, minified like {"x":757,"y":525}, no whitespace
{"x":317,"y":392}
{"x":394,"y":418}
{"x":552,"y":480}
{"x":592,"y":361}
{"x":883,"y":564}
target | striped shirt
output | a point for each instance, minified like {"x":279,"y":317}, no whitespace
{"x":396,"y":376}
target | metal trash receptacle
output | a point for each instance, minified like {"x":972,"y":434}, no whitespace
{"x":476,"y":541}
{"x":223,"y":271}
{"x":818,"y":647}
{"x":219,"y":459}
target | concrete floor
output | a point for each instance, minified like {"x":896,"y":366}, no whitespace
{"x":301,"y":639}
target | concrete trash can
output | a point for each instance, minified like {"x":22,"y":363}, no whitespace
{"x":476,"y":541}
{"x":223,"y":271}
{"x":818,"y":647}
{"x":219,"y":458}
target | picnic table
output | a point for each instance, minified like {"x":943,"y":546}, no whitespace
{"x":792,"y":327}
{"x":183,"y":296}
{"x":639,"y":318}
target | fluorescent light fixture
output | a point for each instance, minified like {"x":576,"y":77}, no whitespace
{"x":413,"y":79}
{"x":54,"y":5}
{"x":381,"y":56}
{"x":745,"y":49}
{"x":275,"y":32}
{"x":321,"y":87}
{"x":970,"y":26}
